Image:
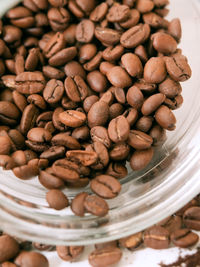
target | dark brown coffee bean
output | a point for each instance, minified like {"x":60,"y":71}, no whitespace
{"x":100,"y":134}
{"x":63,"y":56}
{"x":96,"y":206}
{"x":98,"y":114}
{"x":26,"y":171}
{"x":69,"y":253}
{"x":156,"y":237}
{"x":9,"y":248}
{"x":131,"y":242}
{"x":50,"y":181}
{"x":97,"y":81}
{"x":56,"y":199}
{"x":158,"y":134}
{"x":170,"y":88}
{"x":141,"y":158}
{"x":105,"y":257}
{"x":155,"y":70}
{"x":58,"y":18}
{"x":53,"y":91}
{"x":9,"y":113}
{"x":117,"y":170}
{"x":72,"y":118}
{"x":65,"y":170}
{"x":56,"y":120}
{"x":152,"y":103}
{"x":5,"y":145}
{"x":132,"y":64}
{"x":135,"y":97}
{"x":119,"y":129}
{"x":139,"y":140}
{"x":165,"y":118}
{"x":135,"y":36}
{"x":174,"y":29}
{"x":184,"y":238}
{"x":107,"y":36}
{"x":73,"y":68}
{"x":54,"y":45}
{"x":105,"y":186}
{"x":30,"y":82}
{"x":76,"y":88}
{"x":85,"y":31}
{"x":53,"y":73}
{"x":191,"y":218}
{"x":118,"y":77}
{"x":178,"y":68}
{"x":31,"y":259}
{"x":37,"y":100}
{"x":77,"y":205}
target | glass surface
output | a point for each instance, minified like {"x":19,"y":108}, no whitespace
{"x":172,"y":179}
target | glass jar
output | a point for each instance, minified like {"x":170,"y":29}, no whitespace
{"x":172,"y":179}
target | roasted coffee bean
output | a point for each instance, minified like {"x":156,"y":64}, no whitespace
{"x":113,"y":53}
{"x":6,"y":162}
{"x":59,"y":3}
{"x":42,"y":247}
{"x":94,"y":63}
{"x":144,"y":6}
{"x":174,"y":28}
{"x":26,"y":171}
{"x":141,"y":52}
{"x":53,"y":153}
{"x":30,"y":82}
{"x":9,"y":113}
{"x":132,"y":64}
{"x":11,"y":35}
{"x":172,"y":223}
{"x":69,"y":253}
{"x":66,"y":170}
{"x":87,"y":52}
{"x":5,"y":145}
{"x":158,"y":135}
{"x":40,"y":163}
{"x":99,"y":12}
{"x":53,"y":91}
{"x":85,"y":31}
{"x":155,"y":70}
{"x":8,"y":264}
{"x":131,"y":115}
{"x":141,"y":158}
{"x":83,"y":157}
{"x":17,"y":139}
{"x":165,"y":118}
{"x":31,"y":259}
{"x":161,"y":3}
{"x":105,"y":257}
{"x":178,"y":68}
{"x":73,"y":68}
{"x":184,"y":238}
{"x":135,"y":36}
{"x":56,"y":120}
{"x":107,"y":36}
{"x":50,"y":181}
{"x":132,"y":20}
{"x":108,"y":97}
{"x":155,"y":21}
{"x":119,"y":77}
{"x":81,"y":133}
{"x":164,"y":43}
{"x":58,"y":18}
{"x":96,"y":206}
{"x":97,"y":81}
{"x":63,"y":139}
{"x":56,"y":199}
{"x":89,"y":101}
{"x":77,"y":205}
{"x":191,"y":218}
{"x":118,"y":13}
{"x":120,"y":151}
{"x":105,"y":186}
{"x":19,"y":64}
{"x":43,"y":118}
{"x":170,"y":88}
{"x":131,"y":242}
{"x":32,"y":59}
{"x":139,"y":140}
{"x":117,"y":170}
{"x":144,"y":124}
{"x":37,"y":100}
{"x":76,"y":88}
{"x":105,"y":67}
{"x":54,"y":45}
{"x":100,"y":134}
{"x":135,"y":97}
{"x":110,"y":244}
{"x":53,"y":73}
{"x":98,"y":114}
{"x":119,"y":129}
{"x":9,"y":248}
{"x":72,"y":118}
{"x":152,"y":103}
{"x":63,"y":56}
{"x":156,"y":237}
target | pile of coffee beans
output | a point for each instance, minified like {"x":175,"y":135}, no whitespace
{"x":176,"y":230}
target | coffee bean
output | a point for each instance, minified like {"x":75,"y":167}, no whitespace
{"x":53,"y":91}
{"x":77,"y":204}
{"x":6,"y":162}
{"x":8,"y":264}
{"x":141,"y":52}
{"x":170,"y":88}
{"x":105,"y":186}
{"x":107,"y":36}
{"x":9,"y":248}
{"x":152,"y":103}
{"x":139,"y":140}
{"x":120,"y":151}
{"x":191,"y":218}
{"x":108,"y":97}
{"x":5,"y":145}
{"x":164,"y":43}
{"x":72,"y":118}
{"x":174,"y":28}
{"x":42,"y":247}
{"x":30,"y":82}
{"x":87,"y":52}
{"x":17,"y":139}
{"x":96,"y":206}
{"x":135,"y":36}
{"x":132,"y":242}
{"x":131,"y":115}
{"x":53,"y":153}
{"x":154,"y":20}
{"x":56,"y":199}
{"x":31,"y":259}
{"x":97,"y":81}
{"x":94,"y":63}
{"x":156,"y":237}
{"x":117,"y":170}
{"x":165,"y":118}
{"x":141,"y":158}
{"x":21,"y":17}
{"x":158,"y":135}
{"x":84,"y":157}
{"x":98,"y":114}
{"x":118,"y":13}
{"x":56,"y":120}
{"x":32,"y":60}
{"x":9,"y":114}
{"x":113,"y":53}
{"x":119,"y":129}
{"x":105,"y":67}
{"x":155,"y":70}
{"x":89,"y":101}
{"x":69,"y":253}
{"x":54,"y":45}
{"x":100,"y":134}
{"x":53,"y":73}
{"x":73,"y":68}
{"x":99,"y":12}
{"x":132,"y":64}
{"x":37,"y":100}
{"x":184,"y":238}
{"x":119,"y":77}
{"x":132,"y":20}
{"x":110,"y":244}
{"x":172,"y":223}
{"x":178,"y":68}
{"x":144,"y":6}
{"x":85,"y":31}
{"x":63,"y":139}
{"x":105,"y":257}
{"x":58,"y":18}
{"x":135,"y":97}
{"x":58,"y":3}
{"x":65,"y":170}
{"x":76,"y":88}
{"x":50,"y":181}
{"x":63,"y":56}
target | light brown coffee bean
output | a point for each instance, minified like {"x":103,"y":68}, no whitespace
{"x":9,"y":248}
{"x":26,"y":172}
{"x":132,"y":64}
{"x":97,"y":81}
{"x":164,"y":43}
{"x":5,"y":145}
{"x":135,"y":97}
{"x":119,"y":151}
{"x":9,"y":113}
{"x":191,"y":218}
{"x":31,"y":259}
{"x":165,"y":118}
{"x":117,"y":170}
{"x":152,"y":103}
{"x":63,"y":56}
{"x":100,"y":134}
{"x":56,"y":199}
{"x":50,"y":181}
{"x":98,"y":114}
{"x":118,"y":13}
{"x":85,"y":31}
{"x":170,"y":88}
{"x":158,"y":134}
{"x":119,"y":129}
{"x":99,"y":12}
{"x":96,"y":206}
{"x":53,"y":91}
{"x":144,"y":6}
{"x":69,"y":253}
{"x":141,"y":158}
{"x":155,"y":70}
{"x":118,"y":77}
{"x":131,"y":242}
{"x":72,"y":118}
{"x":156,"y":237}
{"x":139,"y":140}
{"x":174,"y":29}
{"x":77,"y":205}
{"x":184,"y":238}
{"x":65,"y":170}
{"x":84,"y":157}
{"x":107,"y":36}
{"x":144,"y":124}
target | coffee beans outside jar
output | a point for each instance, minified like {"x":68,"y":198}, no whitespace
{"x":85,"y":88}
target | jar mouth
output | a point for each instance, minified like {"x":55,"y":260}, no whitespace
{"x":146,"y":198}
